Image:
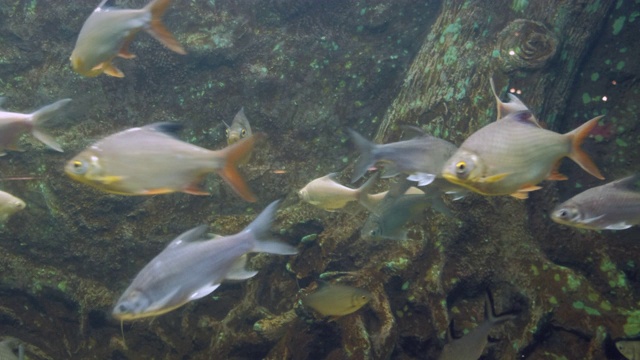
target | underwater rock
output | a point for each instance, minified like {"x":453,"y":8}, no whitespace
{"x":526,"y":45}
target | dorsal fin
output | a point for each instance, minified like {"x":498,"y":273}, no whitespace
{"x":506,"y":109}
{"x":631,"y":183}
{"x":524,"y":117}
{"x":197,"y":233}
{"x":169,"y":128}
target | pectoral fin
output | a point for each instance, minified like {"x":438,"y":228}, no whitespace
{"x":106,"y":180}
{"x":494,"y":178}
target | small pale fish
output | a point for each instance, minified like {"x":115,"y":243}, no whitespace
{"x":239,"y":128}
{"x":630,"y":349}
{"x":421,"y":157}
{"x":326,"y":193}
{"x":150,"y":160}
{"x":613,"y":206}
{"x":9,"y":205}
{"x":192,"y":267}
{"x":12,"y":125}
{"x":471,"y":345}
{"x":336,"y":300}
{"x":107,"y":33}
{"x":513,"y":155}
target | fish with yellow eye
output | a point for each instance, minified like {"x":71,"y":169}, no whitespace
{"x":512,"y":155}
{"x":150,"y":160}
{"x":239,"y":129}
{"x":108,"y":31}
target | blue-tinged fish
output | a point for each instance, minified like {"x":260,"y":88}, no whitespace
{"x":108,"y":32}
{"x":630,"y":349}
{"x":192,"y":267}
{"x":471,"y":345}
{"x":12,"y":125}
{"x":9,"y":205}
{"x":239,"y":128}
{"x":150,"y":160}
{"x":337,"y":300}
{"x":421,"y":157}
{"x":613,"y":206}
{"x":512,"y":155}
{"x":326,"y":193}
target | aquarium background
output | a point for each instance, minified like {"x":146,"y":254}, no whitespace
{"x":305,"y":71}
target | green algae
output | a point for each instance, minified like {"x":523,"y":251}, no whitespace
{"x":618,"y":24}
{"x":595,"y":76}
{"x":632,"y":325}
{"x":589,"y":310}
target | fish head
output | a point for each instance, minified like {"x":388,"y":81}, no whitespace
{"x":235,"y":134}
{"x":80,"y":66}
{"x":625,"y":347}
{"x":132,"y":305}
{"x":84,"y":168}
{"x":567,"y":214}
{"x":360,"y":298}
{"x":304,"y":194}
{"x":467,"y":169}
{"x":17,"y":204}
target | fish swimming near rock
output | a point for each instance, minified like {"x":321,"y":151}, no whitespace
{"x":512,"y":155}
{"x":12,"y":125}
{"x":192,"y":267}
{"x":9,"y":205}
{"x":239,"y":128}
{"x":336,"y":300}
{"x":471,"y":345}
{"x":613,"y":206}
{"x":150,"y":160}
{"x":630,"y":349}
{"x":421,"y":157}
{"x":107,"y":33}
{"x":326,"y":193}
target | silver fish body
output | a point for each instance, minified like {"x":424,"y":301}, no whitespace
{"x":512,"y":155}
{"x":12,"y":125}
{"x":191,"y":267}
{"x":151,"y":160}
{"x":239,"y":128}
{"x":326,"y":193}
{"x":629,"y":348}
{"x":423,"y":154}
{"x":107,"y":33}
{"x":613,"y":206}
{"x":9,"y":205}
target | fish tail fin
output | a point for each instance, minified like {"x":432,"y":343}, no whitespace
{"x":578,"y":155}
{"x":366,"y":160}
{"x":364,"y":190}
{"x":157,"y":29}
{"x":42,"y":115}
{"x":233,"y":155}
{"x":261,"y":233}
{"x":490,"y":312}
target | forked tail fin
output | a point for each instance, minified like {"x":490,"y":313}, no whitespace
{"x":577,"y":154}
{"x":233,"y":155}
{"x":157,"y":28}
{"x":41,"y":116}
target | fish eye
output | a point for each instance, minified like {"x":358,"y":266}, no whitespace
{"x":79,"y":167}
{"x":244,"y":132}
{"x":461,"y":167}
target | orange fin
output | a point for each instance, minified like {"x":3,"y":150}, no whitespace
{"x":157,"y":28}
{"x":157,"y":191}
{"x":578,"y":155}
{"x":520,"y":195}
{"x":555,"y":173}
{"x":112,"y":71}
{"x":233,"y":154}
{"x":195,"y":187}
{"x":523,"y":193}
{"x":124,"y":50}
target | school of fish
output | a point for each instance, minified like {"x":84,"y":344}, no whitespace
{"x":510,"y":156}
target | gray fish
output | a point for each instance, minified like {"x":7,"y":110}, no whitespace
{"x":337,"y":300}
{"x":107,"y":33}
{"x":150,"y":160}
{"x":422,"y":157}
{"x":629,"y":348}
{"x":191,"y":267}
{"x":239,"y":128}
{"x":471,"y":345}
{"x":12,"y":125}
{"x":613,"y":206}
{"x":9,"y":205}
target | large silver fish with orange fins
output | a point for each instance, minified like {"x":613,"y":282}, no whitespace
{"x":107,"y":33}
{"x":514,"y":154}
{"x":149,"y":160}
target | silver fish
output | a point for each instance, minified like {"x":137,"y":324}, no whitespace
{"x":9,"y":205}
{"x":192,"y":267}
{"x":107,"y":33}
{"x":239,"y":128}
{"x":150,"y":160}
{"x":613,"y":206}
{"x":12,"y":125}
{"x":326,"y":193}
{"x":421,"y":157}
{"x":471,"y":345}
{"x":629,"y":348}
